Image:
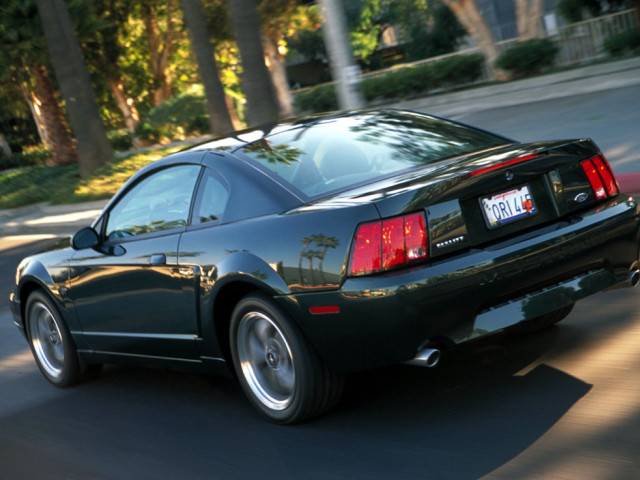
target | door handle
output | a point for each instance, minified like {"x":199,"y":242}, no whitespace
{"x":158,"y":259}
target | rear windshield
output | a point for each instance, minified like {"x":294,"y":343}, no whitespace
{"x":337,"y":153}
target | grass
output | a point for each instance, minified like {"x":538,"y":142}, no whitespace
{"x":63,"y":185}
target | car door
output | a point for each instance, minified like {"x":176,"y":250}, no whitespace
{"x":131,"y":297}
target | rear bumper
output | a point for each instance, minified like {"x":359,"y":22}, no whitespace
{"x":386,"y":318}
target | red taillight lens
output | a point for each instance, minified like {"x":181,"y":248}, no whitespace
{"x":600,"y":177}
{"x":393,"y":242}
{"x":606,"y":174}
{"x":388,"y":243}
{"x":415,"y":235}
{"x":366,"y":256}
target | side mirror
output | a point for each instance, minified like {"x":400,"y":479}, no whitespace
{"x":85,"y":238}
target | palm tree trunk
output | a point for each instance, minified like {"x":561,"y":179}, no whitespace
{"x":4,"y":146}
{"x":467,"y":13}
{"x":50,"y":117}
{"x":219,"y":118}
{"x":278,"y":76}
{"x":529,"y":18}
{"x":93,"y":146}
{"x":256,"y":82}
{"x":159,"y":51}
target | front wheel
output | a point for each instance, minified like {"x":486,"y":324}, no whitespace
{"x":282,"y":376}
{"x":50,"y":341}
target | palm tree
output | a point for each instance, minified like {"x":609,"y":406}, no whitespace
{"x":219,"y":118}
{"x":469,"y":16}
{"x":24,"y":70}
{"x":262,"y":107}
{"x":94,"y":148}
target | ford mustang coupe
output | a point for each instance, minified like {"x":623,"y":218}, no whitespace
{"x":294,"y":254}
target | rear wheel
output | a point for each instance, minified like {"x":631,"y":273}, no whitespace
{"x":282,"y":376}
{"x":544,"y":321}
{"x":50,"y":341}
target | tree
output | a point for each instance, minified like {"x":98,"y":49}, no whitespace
{"x":279,"y":19}
{"x":529,"y":18}
{"x":160,"y":39}
{"x":467,"y":13}
{"x":94,"y":148}
{"x":25,"y":68}
{"x":219,"y":118}
{"x":106,"y":53}
{"x":257,"y":86}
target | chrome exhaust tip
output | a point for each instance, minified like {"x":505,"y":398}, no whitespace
{"x":428,"y":357}
{"x":634,"y":277}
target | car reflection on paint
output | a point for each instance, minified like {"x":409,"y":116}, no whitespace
{"x":296,"y":254}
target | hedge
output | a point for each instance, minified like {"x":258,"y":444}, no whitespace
{"x":528,"y":57}
{"x":402,"y":82}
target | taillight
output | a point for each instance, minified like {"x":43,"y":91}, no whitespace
{"x":388,"y":243}
{"x":600,"y":177}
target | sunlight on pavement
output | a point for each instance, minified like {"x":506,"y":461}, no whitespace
{"x":13,"y":241}
{"x":19,"y":360}
{"x":581,"y":444}
{"x":65,"y":218}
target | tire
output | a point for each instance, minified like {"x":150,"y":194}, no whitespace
{"x":544,"y":321}
{"x":278,"y":371}
{"x":50,"y":341}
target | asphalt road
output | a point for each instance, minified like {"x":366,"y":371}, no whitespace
{"x":559,"y":404}
{"x":611,"y":118}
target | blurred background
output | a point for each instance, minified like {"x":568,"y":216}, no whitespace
{"x":81,"y":80}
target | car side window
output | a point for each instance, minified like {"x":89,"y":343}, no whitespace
{"x":160,"y":201}
{"x":212,"y":199}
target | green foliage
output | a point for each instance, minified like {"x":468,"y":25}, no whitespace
{"x":35,"y":184}
{"x":401,"y":82}
{"x":317,"y":99}
{"x":181,"y":116}
{"x":578,"y":10}
{"x":121,"y":140}
{"x":528,"y":57}
{"x":624,"y":42}
{"x":38,"y":155}
{"x":431,"y":28}
{"x":62,"y":184}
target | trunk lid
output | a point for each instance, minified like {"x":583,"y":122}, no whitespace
{"x":486,"y":196}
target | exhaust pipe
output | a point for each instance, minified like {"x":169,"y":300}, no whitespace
{"x":634,"y":277}
{"x":430,"y":357}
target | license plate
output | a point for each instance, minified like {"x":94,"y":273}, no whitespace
{"x":508,"y":206}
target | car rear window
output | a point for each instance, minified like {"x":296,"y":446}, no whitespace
{"x":339,"y":152}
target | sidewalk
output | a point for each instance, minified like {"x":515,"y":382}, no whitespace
{"x":42,"y":218}
{"x":61,"y":220}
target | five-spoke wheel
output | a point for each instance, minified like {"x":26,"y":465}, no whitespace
{"x":282,"y":376}
{"x":50,"y":341}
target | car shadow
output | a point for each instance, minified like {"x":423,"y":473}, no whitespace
{"x":461,"y":420}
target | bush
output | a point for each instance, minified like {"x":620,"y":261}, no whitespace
{"x":528,"y":57}
{"x":458,"y":70}
{"x":317,"y":99}
{"x":121,"y":140}
{"x":401,"y":82}
{"x":38,"y":155}
{"x":624,"y":42}
{"x":180,"y":116}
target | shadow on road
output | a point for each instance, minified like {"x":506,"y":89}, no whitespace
{"x":462,"y":420}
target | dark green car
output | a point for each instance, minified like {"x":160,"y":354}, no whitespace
{"x":331,"y":244}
